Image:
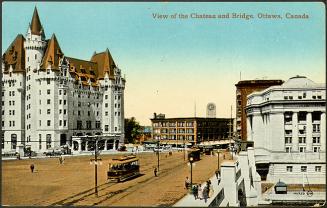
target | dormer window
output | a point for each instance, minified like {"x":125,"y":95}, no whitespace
{"x":35,"y":56}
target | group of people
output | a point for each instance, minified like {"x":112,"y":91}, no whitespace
{"x":200,"y":192}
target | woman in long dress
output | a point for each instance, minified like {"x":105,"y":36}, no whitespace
{"x":200,"y":192}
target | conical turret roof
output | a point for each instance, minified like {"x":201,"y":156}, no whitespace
{"x":36,"y":27}
{"x":52,"y":54}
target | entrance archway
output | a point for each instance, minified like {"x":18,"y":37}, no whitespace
{"x":63,"y":139}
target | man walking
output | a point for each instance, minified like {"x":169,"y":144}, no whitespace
{"x":32,"y":168}
{"x":155,"y":172}
{"x":187,"y":183}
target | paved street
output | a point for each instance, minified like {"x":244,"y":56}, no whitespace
{"x":73,"y":182}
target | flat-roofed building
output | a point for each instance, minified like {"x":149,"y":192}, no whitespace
{"x":243,"y":89}
{"x":287,"y":124}
{"x":190,"y":130}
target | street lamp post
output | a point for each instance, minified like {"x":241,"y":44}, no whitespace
{"x":95,"y":160}
{"x":218,"y":160}
{"x":158,"y":153}
{"x":191,"y":163}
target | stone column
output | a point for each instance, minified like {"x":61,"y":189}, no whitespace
{"x":309,"y":132}
{"x":249,"y":129}
{"x":105,"y":144}
{"x":323,"y":132}
{"x":295,"y":136}
{"x":228,"y":176}
{"x":114,"y":145}
{"x":79,"y":145}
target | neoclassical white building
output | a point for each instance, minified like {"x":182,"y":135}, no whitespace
{"x":50,"y":99}
{"x":288,"y":126}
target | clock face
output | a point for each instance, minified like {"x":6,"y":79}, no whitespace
{"x":211,"y":107}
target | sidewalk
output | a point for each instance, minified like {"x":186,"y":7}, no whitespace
{"x":189,"y":201}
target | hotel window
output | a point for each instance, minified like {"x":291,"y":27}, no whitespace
{"x":302,"y":140}
{"x":59,"y":92}
{"x":106,"y":97}
{"x":288,"y":149}
{"x":65,"y":111}
{"x":319,"y":96}
{"x":317,"y":168}
{"x":60,"y":111}
{"x":13,"y":112}
{"x":106,"y":113}
{"x":289,"y":168}
{"x":316,"y":149}
{"x":60,"y":101}
{"x":48,"y":92}
{"x":48,"y":111}
{"x":106,"y":105}
{"x":316,"y":140}
{"x":60,"y":122}
{"x":40,"y":92}
{"x":64,"y":92}
{"x":48,"y":81}
{"x":48,"y":101}
{"x":48,"y":123}
{"x":48,"y":139}
{"x":303,"y":168}
{"x":316,"y":128}
{"x":65,"y":101}
{"x":40,"y":141}
{"x":302,"y":149}
{"x":40,"y":123}
{"x":288,"y":140}
{"x":65,"y":122}
{"x":88,"y":113}
{"x":285,"y":98}
{"x":106,"y":128}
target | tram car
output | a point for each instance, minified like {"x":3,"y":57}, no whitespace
{"x":123,"y":168}
{"x":195,"y":153}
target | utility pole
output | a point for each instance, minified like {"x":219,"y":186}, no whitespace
{"x":230,"y":131}
{"x":158,"y":152}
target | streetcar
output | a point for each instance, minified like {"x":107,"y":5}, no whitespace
{"x":194,"y":153}
{"x":123,"y":168}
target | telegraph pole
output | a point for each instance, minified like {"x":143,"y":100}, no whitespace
{"x":230,"y":132}
{"x":158,"y":152}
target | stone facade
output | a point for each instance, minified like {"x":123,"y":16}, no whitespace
{"x":288,"y":126}
{"x":49,"y":99}
{"x":243,"y":89}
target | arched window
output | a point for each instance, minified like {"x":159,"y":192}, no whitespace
{"x":13,"y":141}
{"x":48,"y":141}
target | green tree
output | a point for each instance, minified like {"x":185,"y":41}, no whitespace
{"x":132,"y":130}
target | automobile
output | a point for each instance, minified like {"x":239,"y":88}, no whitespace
{"x":53,"y":152}
{"x":122,"y":148}
{"x":156,"y":149}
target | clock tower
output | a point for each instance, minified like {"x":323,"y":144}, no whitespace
{"x":211,"y":110}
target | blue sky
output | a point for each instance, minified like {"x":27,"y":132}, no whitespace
{"x":172,"y":64}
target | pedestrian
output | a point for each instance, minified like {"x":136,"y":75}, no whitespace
{"x":217,"y":172}
{"x":32,"y":167}
{"x":210,"y":191}
{"x":200,"y":192}
{"x":60,"y":160}
{"x":205,"y":193}
{"x":155,"y":172}
{"x":195,"y":191}
{"x":187,"y":183}
{"x":219,"y":178}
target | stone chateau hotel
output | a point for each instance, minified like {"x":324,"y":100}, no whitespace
{"x":50,"y":100}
